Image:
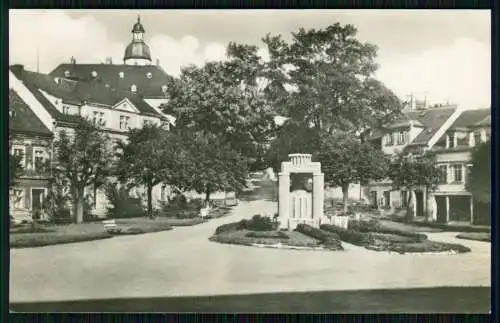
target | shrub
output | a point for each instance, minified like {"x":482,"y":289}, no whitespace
{"x":62,"y":216}
{"x":428,"y":246}
{"x":328,"y":239}
{"x":179,"y":207}
{"x":259,"y":223}
{"x":122,"y":205}
{"x":233,"y":226}
{"x":351,"y":236}
{"x":373,"y":226}
{"x":267,"y":234}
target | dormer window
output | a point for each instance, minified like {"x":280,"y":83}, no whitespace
{"x":94,"y":74}
{"x":164,"y":88}
{"x":133,"y":88}
{"x":67,"y":73}
{"x":149,"y":75}
{"x":121,"y":75}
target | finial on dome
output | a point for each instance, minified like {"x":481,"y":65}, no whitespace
{"x":139,"y":18}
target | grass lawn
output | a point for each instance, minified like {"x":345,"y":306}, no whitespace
{"x":478,"y":236}
{"x":415,"y":300}
{"x":49,"y":234}
{"x":242,"y":237}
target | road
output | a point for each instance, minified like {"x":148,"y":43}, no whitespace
{"x":183,"y":262}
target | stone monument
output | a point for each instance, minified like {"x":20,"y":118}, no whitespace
{"x":299,"y":206}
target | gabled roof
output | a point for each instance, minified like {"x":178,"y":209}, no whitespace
{"x":23,"y":118}
{"x":110,"y":74}
{"x":471,"y":118}
{"x":77,"y":92}
{"x":432,"y":119}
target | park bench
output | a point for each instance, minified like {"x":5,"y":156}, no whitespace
{"x":111,"y":227}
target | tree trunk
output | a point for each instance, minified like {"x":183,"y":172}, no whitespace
{"x":150,"y":199}
{"x":345,"y":195}
{"x":409,"y":207}
{"x":78,"y":205}
{"x":95,"y":195}
{"x":207,"y":194}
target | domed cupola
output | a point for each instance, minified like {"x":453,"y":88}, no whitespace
{"x":137,"y":52}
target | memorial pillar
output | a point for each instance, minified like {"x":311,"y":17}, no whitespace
{"x":284,"y":198}
{"x":318,"y":195}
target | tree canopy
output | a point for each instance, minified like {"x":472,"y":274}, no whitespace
{"x":479,"y":183}
{"x":79,"y":155}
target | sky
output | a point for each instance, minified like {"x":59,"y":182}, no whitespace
{"x":441,"y":55}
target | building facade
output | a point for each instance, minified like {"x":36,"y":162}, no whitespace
{"x":115,"y":98}
{"x":451,"y":133}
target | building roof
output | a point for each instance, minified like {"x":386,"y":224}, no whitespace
{"x":430,"y":119}
{"x":471,"y":118}
{"x":137,"y":49}
{"x":77,"y":92}
{"x":149,"y":79}
{"x":23,"y":119}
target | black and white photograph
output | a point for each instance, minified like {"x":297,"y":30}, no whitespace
{"x":250,"y":161}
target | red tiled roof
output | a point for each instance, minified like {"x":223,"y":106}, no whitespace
{"x":470,"y":118}
{"x":23,"y":118}
{"x":109,"y":74}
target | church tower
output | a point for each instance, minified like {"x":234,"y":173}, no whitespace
{"x":137,"y":52}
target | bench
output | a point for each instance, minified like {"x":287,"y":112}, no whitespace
{"x":111,"y":227}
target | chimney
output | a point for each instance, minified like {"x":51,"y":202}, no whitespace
{"x":157,"y":62}
{"x":73,"y":60}
{"x":109,"y":60}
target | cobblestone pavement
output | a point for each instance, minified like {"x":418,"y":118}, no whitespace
{"x":184,"y":262}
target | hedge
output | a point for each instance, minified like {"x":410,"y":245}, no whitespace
{"x":267,"y":234}
{"x":40,"y":240}
{"x":328,"y":239}
{"x":356,"y":238}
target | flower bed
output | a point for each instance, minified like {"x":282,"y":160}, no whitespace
{"x":374,"y":236}
{"x":330,"y":240}
{"x":241,"y":237}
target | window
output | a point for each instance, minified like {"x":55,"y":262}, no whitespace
{"x":121,"y":75}
{"x":443,"y":179}
{"x":477,"y":138}
{"x":65,"y":109}
{"x":387,"y":199}
{"x":457,"y":173}
{"x":133,"y":88}
{"x":468,"y":174}
{"x":149,"y":75}
{"x":38,"y":162}
{"x":164,"y":88}
{"x":67,"y":73}
{"x":19,"y":152}
{"x":404,"y":198}
{"x":17,"y":198}
{"x":98,"y":118}
{"x":146,"y":122}
{"x":124,"y":122}
{"x":389,"y":139}
{"x":402,"y":137}
{"x":451,"y":140}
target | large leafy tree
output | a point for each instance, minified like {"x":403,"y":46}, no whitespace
{"x":209,"y":164}
{"x":224,"y":99}
{"x":327,"y":81}
{"x":345,"y":160}
{"x":79,"y":155}
{"x":147,"y":159}
{"x":409,"y":171}
{"x":480,"y":175}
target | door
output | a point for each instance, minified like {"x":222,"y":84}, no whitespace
{"x":387,"y":199}
{"x":373,"y":197}
{"x":419,"y":203}
{"x":440,"y":209}
{"x":37,"y":201}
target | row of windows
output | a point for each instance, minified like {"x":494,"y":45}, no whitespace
{"x":464,"y":139}
{"x":99,"y":120}
{"x":454,"y":173}
{"x":396,"y":138}
{"x":38,"y":157}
